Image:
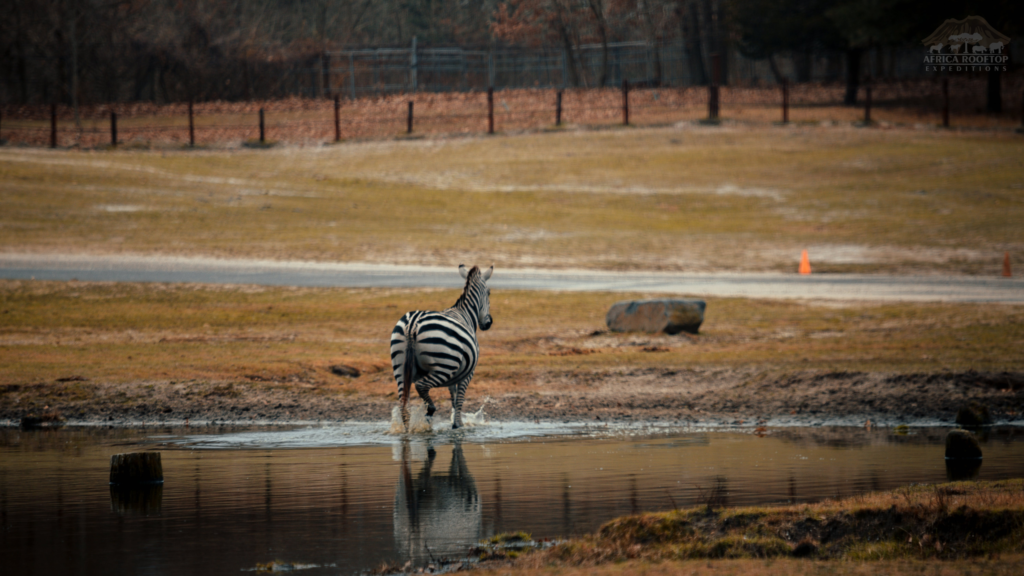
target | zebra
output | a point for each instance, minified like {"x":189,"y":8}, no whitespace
{"x":433,"y":349}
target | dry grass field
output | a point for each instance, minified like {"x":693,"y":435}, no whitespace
{"x":685,"y":198}
{"x":156,"y":351}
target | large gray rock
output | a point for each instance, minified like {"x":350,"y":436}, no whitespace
{"x":665,"y":315}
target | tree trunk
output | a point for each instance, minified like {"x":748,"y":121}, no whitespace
{"x":994,"y":100}
{"x":574,"y":78}
{"x":853,"y":57}
{"x":690,"y":20}
{"x":602,"y":31}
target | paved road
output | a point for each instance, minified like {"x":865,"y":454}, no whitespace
{"x":275,"y":273}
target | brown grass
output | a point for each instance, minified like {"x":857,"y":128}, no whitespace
{"x":1003,"y":565}
{"x":901,"y":529}
{"x":289,"y":336}
{"x":688,"y":199}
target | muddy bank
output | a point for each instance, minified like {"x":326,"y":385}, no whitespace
{"x":709,"y":396}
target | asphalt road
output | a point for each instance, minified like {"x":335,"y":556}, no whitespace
{"x":294,"y":273}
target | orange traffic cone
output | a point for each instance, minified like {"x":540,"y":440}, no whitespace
{"x":805,"y":263}
{"x":1006,"y":265}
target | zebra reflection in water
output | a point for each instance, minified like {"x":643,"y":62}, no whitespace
{"x":436,"y":514}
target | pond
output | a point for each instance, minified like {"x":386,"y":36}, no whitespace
{"x":343,"y":499}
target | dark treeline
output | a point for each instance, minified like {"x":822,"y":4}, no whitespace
{"x":93,"y":51}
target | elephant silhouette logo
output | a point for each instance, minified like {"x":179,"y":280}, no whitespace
{"x":437,"y":513}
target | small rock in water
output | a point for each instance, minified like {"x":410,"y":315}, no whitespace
{"x":961,"y":444}
{"x":136,"y":468}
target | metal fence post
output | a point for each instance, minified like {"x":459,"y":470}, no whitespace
{"x":337,"y":120}
{"x":191,"y":127}
{"x":558,"y":109}
{"x":113,"y":128}
{"x":53,"y":125}
{"x":262,"y":127}
{"x":408,"y":126}
{"x":490,"y":110}
{"x":785,"y":100}
{"x":625,"y":102}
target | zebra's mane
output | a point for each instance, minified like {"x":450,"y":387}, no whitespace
{"x":473,"y":273}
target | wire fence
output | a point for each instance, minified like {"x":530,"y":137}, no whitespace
{"x":955,"y":101}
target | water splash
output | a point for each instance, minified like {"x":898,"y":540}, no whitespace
{"x":418,"y":420}
{"x":473,"y":419}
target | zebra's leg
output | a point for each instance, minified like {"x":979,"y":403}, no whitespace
{"x":403,"y":362}
{"x":432,"y":380}
{"x":424,"y":392}
{"x":404,"y":366}
{"x":458,"y":392}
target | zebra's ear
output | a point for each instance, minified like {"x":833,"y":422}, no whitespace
{"x":462,"y":271}
{"x":487,"y":275}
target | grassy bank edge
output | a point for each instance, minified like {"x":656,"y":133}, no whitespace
{"x":966,"y":525}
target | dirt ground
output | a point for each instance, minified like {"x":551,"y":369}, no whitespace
{"x":700,"y":397}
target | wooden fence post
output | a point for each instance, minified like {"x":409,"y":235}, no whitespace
{"x":867,"y":104}
{"x":625,"y":102}
{"x":113,"y":128}
{"x":558,"y":109}
{"x":337,"y":119}
{"x":408,"y":127}
{"x":53,"y":125}
{"x":490,"y":110}
{"x":713,"y":88}
{"x":785,"y":100}
{"x":262,"y":128}
{"x":191,"y":127}
{"x":945,"y":102}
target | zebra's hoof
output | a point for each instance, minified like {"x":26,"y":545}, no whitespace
{"x":456,"y":426}
{"x":431,"y":410}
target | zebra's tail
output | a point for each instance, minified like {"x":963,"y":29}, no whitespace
{"x":408,"y":363}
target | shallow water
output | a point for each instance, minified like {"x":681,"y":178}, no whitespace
{"x":343,"y":499}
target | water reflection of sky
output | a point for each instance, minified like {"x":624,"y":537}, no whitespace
{"x":346,"y":498}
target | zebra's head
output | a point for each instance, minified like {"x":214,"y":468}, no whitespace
{"x":477,"y":295}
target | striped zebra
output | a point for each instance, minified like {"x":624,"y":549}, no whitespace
{"x":433,"y":349}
